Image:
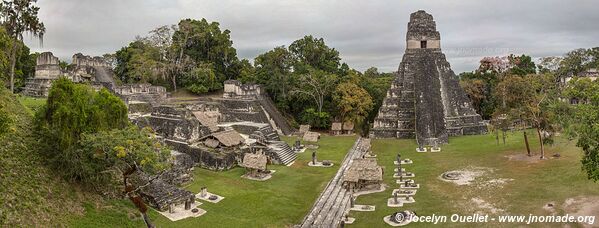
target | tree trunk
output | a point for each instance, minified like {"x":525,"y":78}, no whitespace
{"x":174,"y":77}
{"x":541,"y":142}
{"x":503,"y":135}
{"x":320,"y":103}
{"x":13,"y":62}
{"x":527,"y":146}
{"x":497,"y":136}
{"x":147,"y":220}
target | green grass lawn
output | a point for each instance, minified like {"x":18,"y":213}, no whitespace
{"x":530,"y":186}
{"x":280,"y":201}
{"x":32,"y":103}
{"x":286,"y":198}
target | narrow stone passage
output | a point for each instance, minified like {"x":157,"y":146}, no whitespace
{"x":334,"y":201}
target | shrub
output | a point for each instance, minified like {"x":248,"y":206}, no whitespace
{"x":73,"y":110}
{"x":316,"y":119}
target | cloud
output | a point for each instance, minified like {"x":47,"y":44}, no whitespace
{"x":366,"y":33}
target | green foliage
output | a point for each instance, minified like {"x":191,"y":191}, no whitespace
{"x":247,"y":72}
{"x":274,"y":71}
{"x":480,"y":86}
{"x":311,"y":52}
{"x":32,"y":195}
{"x":204,"y":42}
{"x":179,"y":56}
{"x":577,"y":61}
{"x":139,"y":62}
{"x":581,"y":122}
{"x":376,"y":84}
{"x":100,"y":155}
{"x":201,"y":79}
{"x":522,"y":65}
{"x":353,"y":102}
{"x":20,"y":17}
{"x":316,"y":119}
{"x":24,"y":64}
{"x":72,"y":110}
{"x":316,"y":85}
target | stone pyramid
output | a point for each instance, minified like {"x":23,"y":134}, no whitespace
{"x":425,"y":100}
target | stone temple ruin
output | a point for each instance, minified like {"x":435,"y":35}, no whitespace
{"x":83,"y":69}
{"x":425,"y":99}
{"x":217,"y":132}
{"x":95,"y":71}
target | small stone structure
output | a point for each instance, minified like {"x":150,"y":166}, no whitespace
{"x":363,"y":174}
{"x":336,"y":128}
{"x":348,"y":128}
{"x":255,"y":165}
{"x":141,"y":92}
{"x":303,"y":129}
{"x":425,"y":100}
{"x":162,"y":195}
{"x":47,"y":69}
{"x":311,"y":136}
{"x":234,"y":89}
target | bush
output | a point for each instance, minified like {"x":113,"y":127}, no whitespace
{"x":316,"y":119}
{"x":73,"y":110}
{"x":101,"y":156}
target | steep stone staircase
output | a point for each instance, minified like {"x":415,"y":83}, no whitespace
{"x":283,"y":151}
{"x":275,"y":115}
{"x":269,"y":133}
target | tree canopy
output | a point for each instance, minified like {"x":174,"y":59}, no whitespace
{"x":73,"y":110}
{"x":18,"y":17}
{"x":194,"y":54}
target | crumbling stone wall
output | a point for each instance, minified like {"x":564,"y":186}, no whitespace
{"x":205,"y":158}
{"x":181,"y":169}
{"x":141,"y":92}
{"x":84,"y":69}
{"x":234,"y":89}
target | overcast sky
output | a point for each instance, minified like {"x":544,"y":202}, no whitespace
{"x":366,"y":33}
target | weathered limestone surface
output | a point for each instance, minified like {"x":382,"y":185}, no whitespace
{"x":93,"y":70}
{"x":182,"y":128}
{"x":47,"y":66}
{"x":180,"y":172}
{"x":142,"y":92}
{"x":334,"y":202}
{"x":425,"y":99}
{"x":160,"y":194}
{"x":248,"y":102}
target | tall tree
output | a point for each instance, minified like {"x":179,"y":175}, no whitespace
{"x":317,"y":85}
{"x":18,"y":17}
{"x":202,"y":41}
{"x":522,"y":65}
{"x":529,"y":98}
{"x":273,"y":70}
{"x":311,"y":52}
{"x":353,"y":102}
